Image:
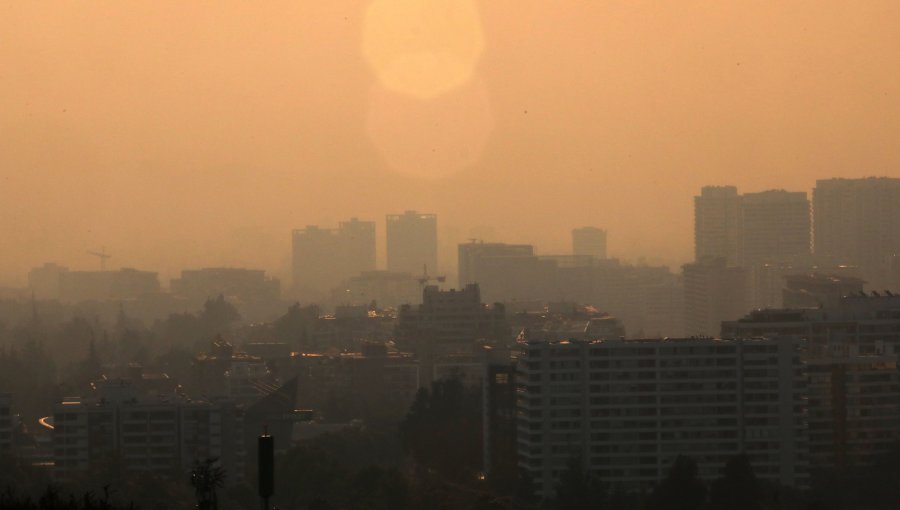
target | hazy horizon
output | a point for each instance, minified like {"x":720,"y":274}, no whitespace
{"x":200,"y":135}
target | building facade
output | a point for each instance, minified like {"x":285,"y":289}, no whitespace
{"x":412,"y":243}
{"x":627,"y":409}
{"x":6,"y":424}
{"x":775,"y":226}
{"x":857,"y":222}
{"x":717,"y":217}
{"x":145,"y":433}
{"x":713,"y":292}
{"x":589,"y":241}
{"x":323,"y":258}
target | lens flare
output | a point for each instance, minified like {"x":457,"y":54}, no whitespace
{"x":422,"y":48}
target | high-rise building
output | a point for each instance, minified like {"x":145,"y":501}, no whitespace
{"x":857,"y":221}
{"x":322,"y":258}
{"x":627,"y":409}
{"x":774,"y":226}
{"x":590,"y":241}
{"x":717,"y":219}
{"x":412,"y":243}
{"x":472,"y":258}
{"x":713,"y":292}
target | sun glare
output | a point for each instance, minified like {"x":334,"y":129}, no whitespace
{"x":422,"y":48}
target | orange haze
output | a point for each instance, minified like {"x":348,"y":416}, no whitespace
{"x":186,"y":134}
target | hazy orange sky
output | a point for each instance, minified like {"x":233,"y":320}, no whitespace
{"x":187,"y":134}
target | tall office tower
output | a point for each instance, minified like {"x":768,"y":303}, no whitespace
{"x":775,"y":227}
{"x":590,"y":241}
{"x":323,"y":258}
{"x":412,"y":242}
{"x":717,"y":215}
{"x":627,"y":409}
{"x":713,"y":292}
{"x":472,"y":256}
{"x":857,"y":221}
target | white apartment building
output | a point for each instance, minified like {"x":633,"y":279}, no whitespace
{"x":629,"y":408}
{"x":146,"y":433}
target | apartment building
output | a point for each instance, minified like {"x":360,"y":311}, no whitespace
{"x":145,"y":433}
{"x":627,"y":409}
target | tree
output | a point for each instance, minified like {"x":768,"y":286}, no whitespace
{"x":579,"y":488}
{"x":206,"y":477}
{"x":442,"y":430}
{"x":738,"y":488}
{"x":681,"y":489}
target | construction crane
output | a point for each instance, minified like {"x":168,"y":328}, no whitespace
{"x":102,"y":255}
{"x":425,"y":278}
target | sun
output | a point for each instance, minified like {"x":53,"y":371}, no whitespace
{"x":422,"y":48}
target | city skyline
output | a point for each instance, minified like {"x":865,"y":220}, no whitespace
{"x":161,"y":140}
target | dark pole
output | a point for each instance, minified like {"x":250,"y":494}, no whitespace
{"x":266,"y":469}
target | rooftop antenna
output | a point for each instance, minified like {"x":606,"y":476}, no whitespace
{"x":102,"y":255}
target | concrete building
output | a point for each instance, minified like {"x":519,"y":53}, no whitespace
{"x":147,"y":433}
{"x":449,"y":322}
{"x":44,"y":281}
{"x":124,"y":284}
{"x":412,"y":243}
{"x":472,"y":268}
{"x":629,"y":408}
{"x":250,"y":290}
{"x":385,"y":288}
{"x":589,"y":241}
{"x":713,"y":292}
{"x":851,"y":353}
{"x":6,"y":424}
{"x":322,"y":258}
{"x":854,"y":406}
{"x":774,"y":227}
{"x":857,"y":222}
{"x":813,"y":290}
{"x":717,"y":219}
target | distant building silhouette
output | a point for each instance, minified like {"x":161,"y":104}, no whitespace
{"x":412,"y":242}
{"x":44,"y":281}
{"x":717,"y":219}
{"x":126,"y":283}
{"x":857,"y":221}
{"x":250,"y":290}
{"x":322,"y":258}
{"x":713,"y":292}
{"x":473,"y":263}
{"x":385,"y":288}
{"x":775,"y":226}
{"x":589,"y":241}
